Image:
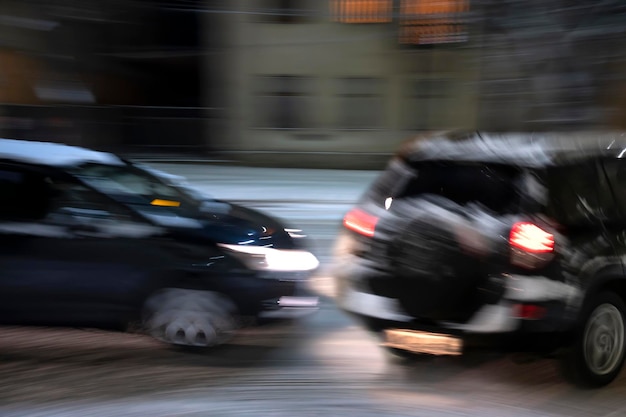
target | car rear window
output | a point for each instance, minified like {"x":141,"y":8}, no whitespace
{"x":493,"y":186}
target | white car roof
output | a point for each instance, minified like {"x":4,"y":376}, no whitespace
{"x":523,"y":149}
{"x":53,"y":154}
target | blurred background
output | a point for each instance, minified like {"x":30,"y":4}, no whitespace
{"x":304,"y":82}
{"x":307,"y":84}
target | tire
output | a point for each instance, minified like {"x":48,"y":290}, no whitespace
{"x":189,"y":318}
{"x":434,"y":270}
{"x":597,"y":355}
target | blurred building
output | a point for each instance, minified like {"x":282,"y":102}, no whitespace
{"x":312,"y":79}
{"x":551,"y":64}
{"x":315,"y":79}
{"x":118,"y":74}
{"x":305,"y":81}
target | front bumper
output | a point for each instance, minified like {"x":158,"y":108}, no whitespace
{"x":289,"y":307}
{"x":295,"y":303}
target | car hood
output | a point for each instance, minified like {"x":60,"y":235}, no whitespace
{"x":224,"y":222}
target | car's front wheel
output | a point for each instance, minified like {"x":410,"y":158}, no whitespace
{"x":189,"y":317}
{"x":597,"y":356}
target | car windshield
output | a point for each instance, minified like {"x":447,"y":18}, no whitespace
{"x":139,"y":189}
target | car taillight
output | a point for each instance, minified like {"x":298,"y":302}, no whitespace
{"x":531,"y":238}
{"x":529,"y":311}
{"x":361,"y":222}
{"x":531,"y":246}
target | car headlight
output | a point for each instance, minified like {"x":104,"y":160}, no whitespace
{"x":270,"y":259}
{"x":295,"y":233}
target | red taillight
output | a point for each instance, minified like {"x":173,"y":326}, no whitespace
{"x":528,"y":311}
{"x":361,"y":222}
{"x":531,"y":238}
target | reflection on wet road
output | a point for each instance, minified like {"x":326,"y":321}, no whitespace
{"x":322,"y":365}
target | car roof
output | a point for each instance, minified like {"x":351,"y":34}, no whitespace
{"x":53,"y":154}
{"x":539,"y":149}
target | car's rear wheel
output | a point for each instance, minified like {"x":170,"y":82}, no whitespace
{"x":191,"y":318}
{"x":598,"y":353}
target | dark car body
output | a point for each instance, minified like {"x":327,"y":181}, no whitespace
{"x":89,"y":239}
{"x":504,"y":241}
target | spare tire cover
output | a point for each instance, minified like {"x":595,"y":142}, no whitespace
{"x":436,"y":275}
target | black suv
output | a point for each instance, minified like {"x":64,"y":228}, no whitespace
{"x":513,"y":241}
{"x":89,"y":239}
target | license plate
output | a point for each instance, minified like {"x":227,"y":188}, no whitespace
{"x":423,"y":342}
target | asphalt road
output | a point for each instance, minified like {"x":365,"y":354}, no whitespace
{"x":323,"y":365}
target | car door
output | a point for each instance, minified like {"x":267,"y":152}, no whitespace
{"x":615,"y":174}
{"x":580,"y":200}
{"x":69,"y":255}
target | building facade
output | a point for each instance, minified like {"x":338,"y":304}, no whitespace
{"x":316,"y":79}
{"x":118,"y":75}
{"x":305,"y":82}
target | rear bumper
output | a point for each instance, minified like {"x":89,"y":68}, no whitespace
{"x":528,"y":337}
{"x":496,"y":325}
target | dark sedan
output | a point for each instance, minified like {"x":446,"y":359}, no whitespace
{"x":89,"y":239}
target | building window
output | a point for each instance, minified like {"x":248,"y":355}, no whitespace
{"x":360,"y":103}
{"x":503,"y":103}
{"x":284,"y":102}
{"x":430,"y":104}
{"x":428,"y":22}
{"x":284,"y":11}
{"x":361,"y":11}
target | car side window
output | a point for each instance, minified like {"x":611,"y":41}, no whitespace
{"x":72,"y":200}
{"x":28,"y":195}
{"x":615,"y":170}
{"x":574,"y":197}
{"x":23,"y":194}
